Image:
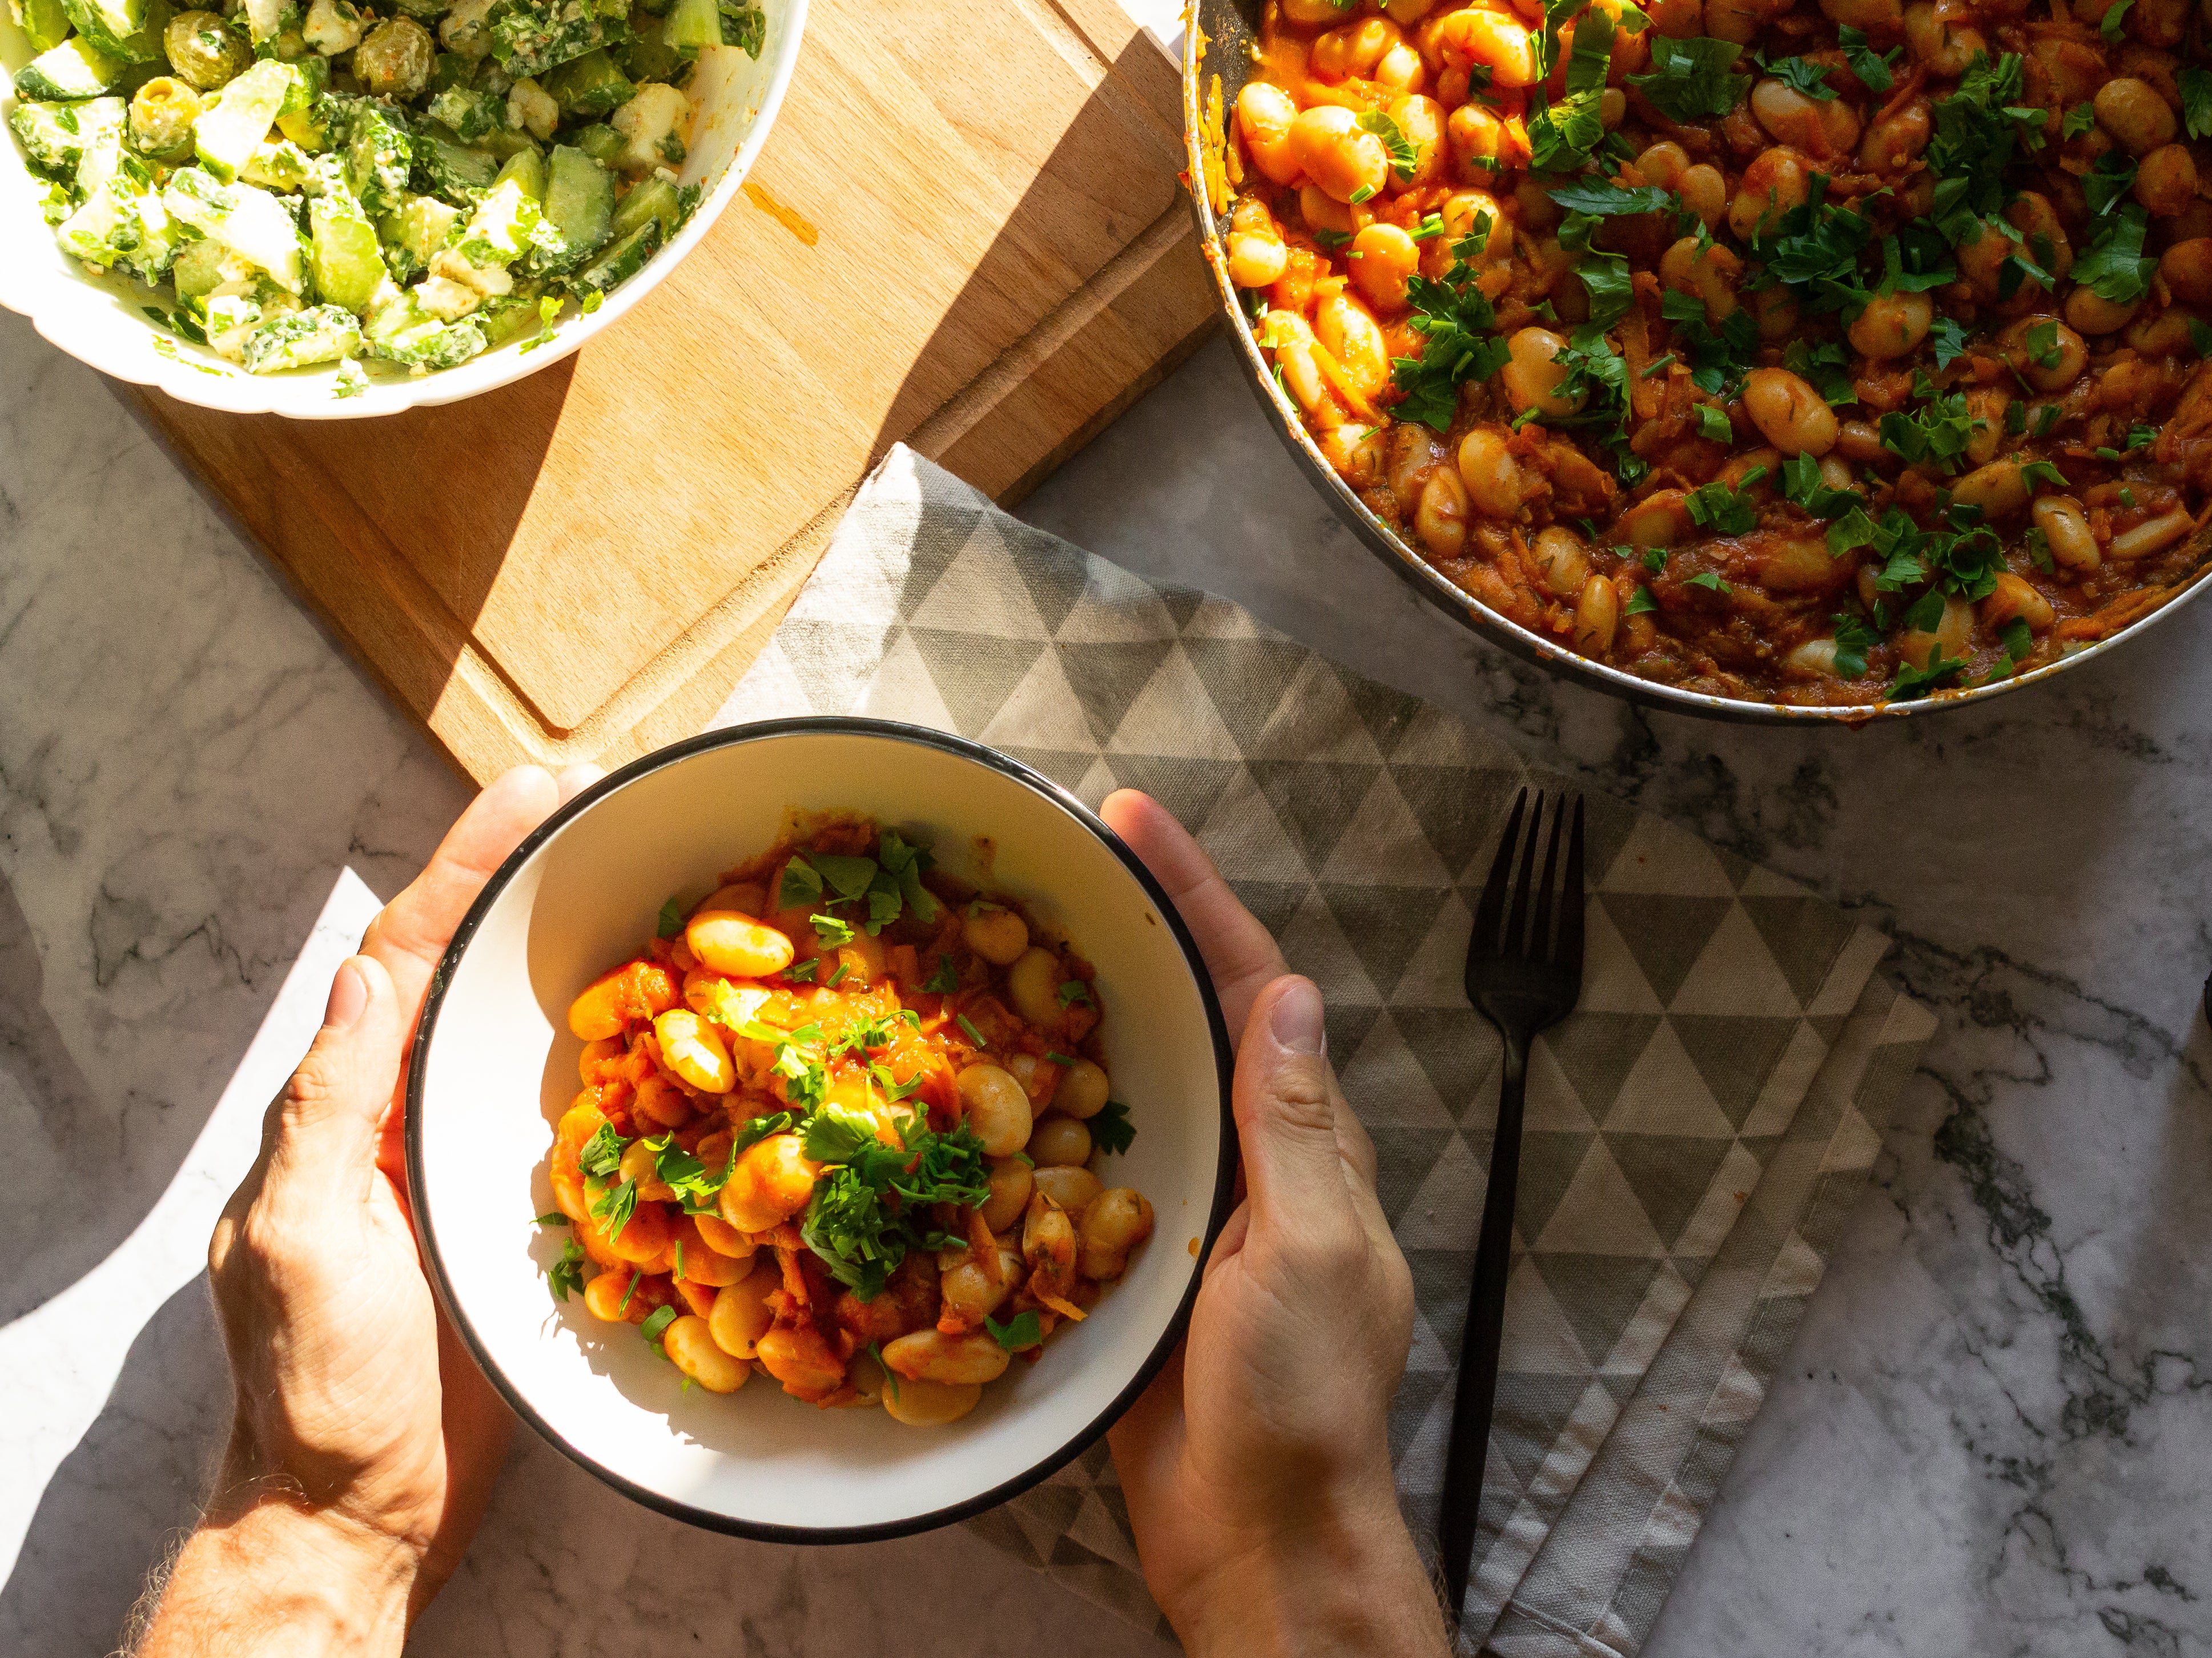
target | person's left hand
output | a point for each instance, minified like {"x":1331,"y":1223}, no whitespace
{"x":366,"y":1442}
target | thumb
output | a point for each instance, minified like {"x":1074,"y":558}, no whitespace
{"x":1285,"y":1117}
{"x":331,"y":1111}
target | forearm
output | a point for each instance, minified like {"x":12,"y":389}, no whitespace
{"x":267,"y":1575}
{"x":1345,"y":1582}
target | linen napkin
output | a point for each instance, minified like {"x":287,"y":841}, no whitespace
{"x":1695,"y":1132}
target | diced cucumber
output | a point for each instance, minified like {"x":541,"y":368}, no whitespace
{"x":502,"y":318}
{"x":198,"y":269}
{"x":504,"y":142}
{"x":266,"y":19}
{"x":621,"y":261}
{"x":130,"y":30}
{"x":379,"y":155}
{"x":45,"y":22}
{"x":598,"y":141}
{"x":452,"y":169}
{"x":589,"y":87}
{"x":232,"y":128}
{"x":55,"y":135}
{"x":471,"y":114}
{"x":579,"y":203}
{"x":322,"y":333}
{"x":530,"y":36}
{"x":716,"y":23}
{"x":499,"y":230}
{"x":342,"y":252}
{"x":449,"y":69}
{"x":122,"y":226}
{"x":423,"y":10}
{"x":653,"y":198}
{"x":648,"y":55}
{"x":251,"y":223}
{"x":693,"y":23}
{"x":103,"y":154}
{"x":279,"y":165}
{"x":412,"y":235}
{"x":75,"y":68}
{"x":404,"y":332}
{"x":527,"y":168}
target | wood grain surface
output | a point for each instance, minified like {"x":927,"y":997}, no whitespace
{"x":965,"y":233}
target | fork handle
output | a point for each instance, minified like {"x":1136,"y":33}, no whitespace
{"x":1480,"y":1339}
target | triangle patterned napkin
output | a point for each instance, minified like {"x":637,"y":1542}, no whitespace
{"x":1695,"y":1132}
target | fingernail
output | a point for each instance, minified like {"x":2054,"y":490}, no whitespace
{"x":348,"y":995}
{"x":1297,"y":1019}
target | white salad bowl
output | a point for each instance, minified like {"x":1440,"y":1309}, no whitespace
{"x":102,"y":321}
{"x":495,"y":1066}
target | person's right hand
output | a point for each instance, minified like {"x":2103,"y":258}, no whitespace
{"x":1257,"y":1466}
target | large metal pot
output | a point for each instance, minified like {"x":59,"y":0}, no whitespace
{"x":1217,"y":60}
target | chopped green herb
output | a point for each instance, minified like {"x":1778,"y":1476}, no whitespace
{"x":801,"y":885}
{"x":942,"y":980}
{"x":890,"y":1376}
{"x":1726,"y":509}
{"x":1364,"y":193}
{"x":566,"y":1275}
{"x":831,"y":930}
{"x":553,"y":1219}
{"x":1640,"y":603}
{"x":1072,"y":991}
{"x":1873,"y":68}
{"x":2042,"y":471}
{"x":1949,"y":339}
{"x":1913,"y":682}
{"x":2114,"y":18}
{"x":1802,"y":75}
{"x":655,"y":1326}
{"x":1430,"y":228}
{"x":1854,"y":639}
{"x":1111,"y":1131}
{"x":1690,"y":79}
{"x":1655,"y":559}
{"x":1459,"y":342}
{"x":2196,"y":85}
{"x":2114,"y":267}
{"x":1061,"y":1059}
{"x":614,"y":1205}
{"x":602,"y":1153}
{"x":1600,"y":199}
{"x":803,"y":971}
{"x":869,"y":1211}
{"x":2017,"y":640}
{"x":671,"y":919}
{"x":1022,"y":1330}
{"x":1404,"y":157}
{"x":1711,"y":581}
{"x":2080,"y":118}
{"x":636,"y":1278}
{"x":755,"y":1130}
{"x":1939,"y":433}
{"x":974,"y":1034}
{"x":1713,"y":423}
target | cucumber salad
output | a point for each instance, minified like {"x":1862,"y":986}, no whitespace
{"x":415,"y":181}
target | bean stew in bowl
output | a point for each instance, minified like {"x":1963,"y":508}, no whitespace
{"x":817,"y":1063}
{"x":1755,"y":356}
{"x":836,"y":1117}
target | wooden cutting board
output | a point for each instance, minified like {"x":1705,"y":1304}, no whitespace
{"x":965,"y":232}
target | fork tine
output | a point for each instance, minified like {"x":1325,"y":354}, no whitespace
{"x":1570,"y":952}
{"x":1516,"y":918}
{"x":1540,"y":931}
{"x":1490,"y":910}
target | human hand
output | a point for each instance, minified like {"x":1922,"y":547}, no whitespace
{"x":364,"y":1442}
{"x":1257,"y":1466}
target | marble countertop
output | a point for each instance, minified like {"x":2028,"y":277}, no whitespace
{"x":1994,"y":1435}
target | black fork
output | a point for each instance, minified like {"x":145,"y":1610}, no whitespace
{"x":1521,"y":976}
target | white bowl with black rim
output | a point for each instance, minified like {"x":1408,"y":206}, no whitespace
{"x":495,"y":1066}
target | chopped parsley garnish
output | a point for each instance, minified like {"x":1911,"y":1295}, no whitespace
{"x":1718,"y":357}
{"x":671,"y":921}
{"x":1111,"y":1131}
{"x":566,"y":1275}
{"x":2017,"y":639}
{"x":1072,"y":991}
{"x":1826,"y":367}
{"x":2196,"y":101}
{"x":1364,"y":193}
{"x":756,"y":1129}
{"x":801,"y":886}
{"x":1459,"y":342}
{"x":1404,"y":158}
{"x":974,"y":1034}
{"x":1938,"y":433}
{"x":1912,"y":683}
{"x":2042,"y":471}
{"x":1872,"y":67}
{"x":1802,"y":75}
{"x":1854,"y":639}
{"x":869,"y":1210}
{"x":1430,"y":228}
{"x":2114,"y":19}
{"x":803,"y":971}
{"x":1690,"y":79}
{"x":1725,"y":510}
{"x":1975,"y":129}
{"x":552,"y":1217}
{"x":694,"y":1184}
{"x":1802,"y":484}
{"x":831,"y":930}
{"x":1640,"y":603}
{"x":2080,"y":118}
{"x":2114,"y":267}
{"x":2041,"y":343}
{"x":614,"y":1205}
{"x":1022,"y":1330}
{"x":1712,"y":422}
{"x":1655,"y":559}
{"x":2107,"y":182}
{"x":656,"y":1325}
{"x":1561,"y":136}
{"x":1710,"y":581}
{"x":1602,"y":200}
{"x":942,"y":980}
{"x":602,"y":1153}
{"x":1949,"y":339}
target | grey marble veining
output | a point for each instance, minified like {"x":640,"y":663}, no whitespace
{"x":1994,"y":1436}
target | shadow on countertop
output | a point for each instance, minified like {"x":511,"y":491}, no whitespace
{"x":138,"y":1474}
